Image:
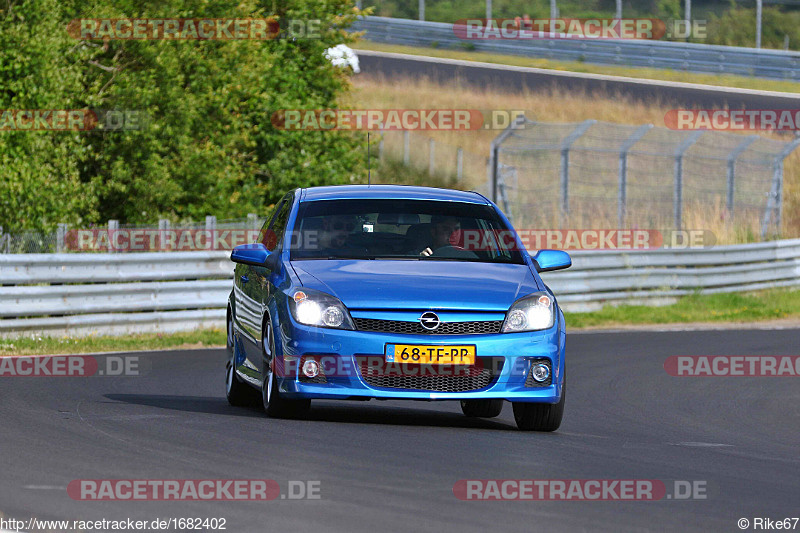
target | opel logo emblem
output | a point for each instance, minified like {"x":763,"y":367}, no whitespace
{"x":429,"y":321}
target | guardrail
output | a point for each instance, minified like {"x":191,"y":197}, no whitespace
{"x":81,"y":294}
{"x":758,"y":62}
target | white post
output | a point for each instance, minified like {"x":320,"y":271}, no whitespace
{"x":432,"y":156}
{"x":758,"y":23}
{"x":488,"y":9}
{"x":421,"y":9}
{"x":113,"y":226}
{"x":687,"y":15}
{"x":619,"y":9}
{"x":252,"y":221}
{"x":61,"y":237}
{"x":553,"y":9}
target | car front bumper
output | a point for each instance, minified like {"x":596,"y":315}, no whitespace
{"x":340,"y":350}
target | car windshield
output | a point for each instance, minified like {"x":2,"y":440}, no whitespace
{"x":422,"y":230}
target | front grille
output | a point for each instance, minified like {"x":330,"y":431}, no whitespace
{"x":455,"y":378}
{"x":530,"y":382}
{"x":415,"y":328}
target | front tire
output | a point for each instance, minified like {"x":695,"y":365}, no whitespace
{"x":482,"y":408}
{"x":238,"y":394}
{"x":275,"y":405}
{"x":540,"y":416}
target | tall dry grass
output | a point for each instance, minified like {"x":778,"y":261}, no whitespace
{"x":376,"y":92}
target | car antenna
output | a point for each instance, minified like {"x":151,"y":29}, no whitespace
{"x":369,"y":171}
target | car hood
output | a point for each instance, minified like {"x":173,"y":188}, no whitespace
{"x":385,"y":284}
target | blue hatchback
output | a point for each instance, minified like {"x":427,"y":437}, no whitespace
{"x":395,"y":292}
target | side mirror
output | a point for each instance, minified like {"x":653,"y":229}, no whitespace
{"x":251,"y":254}
{"x":549,"y":260}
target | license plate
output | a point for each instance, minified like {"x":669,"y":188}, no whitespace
{"x":430,"y":355}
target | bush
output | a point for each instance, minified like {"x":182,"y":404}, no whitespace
{"x":208,"y":147}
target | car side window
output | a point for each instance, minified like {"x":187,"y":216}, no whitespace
{"x":274,"y":235}
{"x":262,"y":235}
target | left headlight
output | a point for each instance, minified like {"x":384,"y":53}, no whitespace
{"x":533,"y":312}
{"x":315,"y":308}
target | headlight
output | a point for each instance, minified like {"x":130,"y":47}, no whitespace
{"x":315,"y":308}
{"x":533,"y":312}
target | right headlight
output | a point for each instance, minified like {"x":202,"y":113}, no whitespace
{"x":315,"y":308}
{"x":530,"y":313}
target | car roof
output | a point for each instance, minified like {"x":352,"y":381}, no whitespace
{"x":389,"y":192}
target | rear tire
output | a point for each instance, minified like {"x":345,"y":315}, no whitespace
{"x":540,"y":416}
{"x":238,"y":394}
{"x":482,"y":408}
{"x":275,"y":405}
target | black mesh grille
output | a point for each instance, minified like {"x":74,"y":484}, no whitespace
{"x":415,"y":328}
{"x":530,"y":382}
{"x":418,"y":377}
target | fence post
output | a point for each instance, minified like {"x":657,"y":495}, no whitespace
{"x":775,"y":201}
{"x":431,"y":156}
{"x":2,"y":239}
{"x":622,"y":196}
{"x":61,"y":237}
{"x":494,"y":153}
{"x":113,"y":226}
{"x":564,"y":174}
{"x":460,"y":164}
{"x":252,"y":221}
{"x":163,"y":228}
{"x":735,"y":153}
{"x":503,"y":189}
{"x":677,"y":202}
{"x":406,"y":142}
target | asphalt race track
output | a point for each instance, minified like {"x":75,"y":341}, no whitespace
{"x":391,"y":466}
{"x":486,"y":76}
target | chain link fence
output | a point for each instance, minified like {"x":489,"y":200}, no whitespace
{"x":596,"y":174}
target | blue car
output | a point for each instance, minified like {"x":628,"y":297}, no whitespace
{"x":395,"y":292}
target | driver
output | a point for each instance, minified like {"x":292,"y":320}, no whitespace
{"x":444,"y":232}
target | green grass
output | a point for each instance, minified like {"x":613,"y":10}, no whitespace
{"x":201,"y":338}
{"x":725,"y":80}
{"x":745,"y":307}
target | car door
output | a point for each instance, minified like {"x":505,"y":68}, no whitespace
{"x":258,"y":289}
{"x":247,"y":314}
